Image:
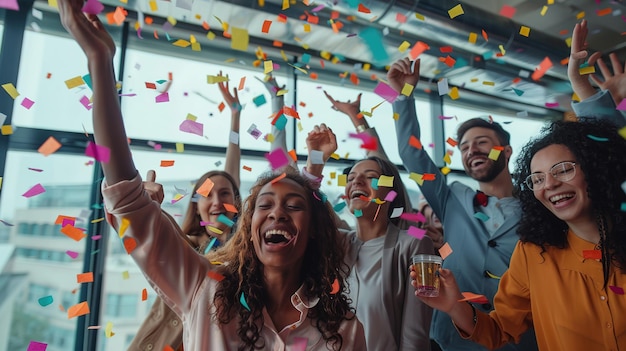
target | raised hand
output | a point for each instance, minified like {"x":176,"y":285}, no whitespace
{"x":154,"y":189}
{"x":351,"y":109}
{"x":271,"y":85}
{"x":403,"y":71}
{"x":87,"y":30}
{"x":614,"y":82}
{"x":578,"y":53}
{"x":322,"y":138}
{"x":232,"y":100}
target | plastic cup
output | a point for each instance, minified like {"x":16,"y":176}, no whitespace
{"x":427,"y":269}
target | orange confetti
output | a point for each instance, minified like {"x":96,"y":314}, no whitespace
{"x":80,"y":309}
{"x":354,"y":79}
{"x":144,"y":294}
{"x":205,"y":25}
{"x":485,"y":35}
{"x":168,"y":348}
{"x":230,"y":208}
{"x":130,"y":244}
{"x":334,"y":15}
{"x":282,"y":18}
{"x":221,"y":106}
{"x":242,"y":83}
{"x":167,"y":163}
{"x":517,"y":80}
{"x":266,"y":26}
{"x":335,"y":288}
{"x":293,"y":155}
{"x":148,"y":20}
{"x":418,"y":49}
{"x":604,"y":12}
{"x":565,"y":61}
{"x":206,"y":187}
{"x":470,"y":296}
{"x":277,"y":179}
{"x":544,"y":66}
{"x":84,"y":277}
{"x":445,"y":251}
{"x":452,"y":142}
{"x":428,"y":176}
{"x":73,"y":232}
{"x":592,"y":254}
{"x":246,"y":168}
{"x":215,"y":276}
{"x":363,"y":9}
{"x":415,"y":142}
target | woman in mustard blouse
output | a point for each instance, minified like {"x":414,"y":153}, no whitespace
{"x":568,"y":272}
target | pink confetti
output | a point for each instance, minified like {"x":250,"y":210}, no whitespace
{"x":163,"y":97}
{"x":391,"y":196}
{"x":622,"y":105}
{"x":67,"y":221}
{"x":93,"y":7}
{"x":386,"y":92}
{"x":36,"y":346}
{"x":277,"y":158}
{"x":98,"y":152}
{"x":416,"y":232}
{"x":445,"y":117}
{"x":35,"y":190}
{"x":96,"y":237}
{"x":369,"y":142}
{"x":617,"y":290}
{"x":9,"y":4}
{"x":35,"y":169}
{"x":299,"y":344}
{"x":552,"y":104}
{"x":72,"y":254}
{"x":85,"y":102}
{"x":193,"y":127}
{"x":414,"y":217}
{"x":27,"y":103}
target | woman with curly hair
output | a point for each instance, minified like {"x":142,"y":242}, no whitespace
{"x":568,"y":270}
{"x":280,"y":283}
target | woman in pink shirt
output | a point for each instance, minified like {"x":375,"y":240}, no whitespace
{"x":278,"y":284}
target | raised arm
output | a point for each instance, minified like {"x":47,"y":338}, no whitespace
{"x":108,"y":125}
{"x":233,"y":150}
{"x":353,"y":111}
{"x":614,"y":82}
{"x":320,"y":139}
{"x":278,"y":102}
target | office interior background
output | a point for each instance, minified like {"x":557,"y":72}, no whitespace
{"x":478,"y":63}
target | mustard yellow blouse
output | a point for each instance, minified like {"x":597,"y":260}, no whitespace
{"x":561,"y":294}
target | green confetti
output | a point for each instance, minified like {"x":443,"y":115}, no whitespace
{"x":45,"y":301}
{"x":243,"y":302}
{"x":592,"y":137}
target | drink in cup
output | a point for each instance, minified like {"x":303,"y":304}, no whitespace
{"x":427,"y":269}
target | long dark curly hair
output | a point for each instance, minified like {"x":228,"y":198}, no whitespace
{"x":599,"y":150}
{"x":323,"y":263}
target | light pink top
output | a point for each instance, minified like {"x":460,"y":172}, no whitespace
{"x":179,"y":275}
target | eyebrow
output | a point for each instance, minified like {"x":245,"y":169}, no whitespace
{"x":477,"y":137}
{"x":288,"y":195}
{"x":367,"y":170}
{"x":553,"y":166}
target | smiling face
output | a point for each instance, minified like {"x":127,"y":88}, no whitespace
{"x":359,"y":191}
{"x":475,"y":147}
{"x":280,"y":224}
{"x":212,"y":206}
{"x":568,"y":200}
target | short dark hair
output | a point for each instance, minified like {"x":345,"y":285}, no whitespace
{"x":503,"y":136}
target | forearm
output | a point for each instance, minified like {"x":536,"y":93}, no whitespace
{"x":108,"y":123}
{"x":233,"y":150}
{"x":462,"y":316}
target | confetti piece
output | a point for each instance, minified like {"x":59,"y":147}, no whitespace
{"x":524,"y":31}
{"x":34,"y":191}
{"x":77,"y":310}
{"x":494,"y":154}
{"x":592,"y":254}
{"x":483,"y":217}
{"x":206,"y":187}
{"x":418,"y":49}
{"x":416,"y":232}
{"x":616,"y":289}
{"x":335,"y":287}
{"x":130,"y":244}
{"x":385,"y":91}
{"x":167,"y":163}
{"x":49,"y":146}
{"x":277,"y":158}
{"x":35,"y":345}
{"x":72,"y":254}
{"x":74,"y":233}
{"x":10,"y":89}
{"x":593,"y":137}
{"x":455,"y":11}
{"x":242,"y":300}
{"x":445,"y":251}
{"x":544,"y":66}
{"x":358,"y":213}
{"x":215,"y":276}
{"x":45,"y":301}
{"x":192,"y":127}
{"x":74,"y":82}
{"x":507,"y":11}
{"x":98,"y":152}
{"x":84,"y":277}
{"x":469,"y":296}
{"x":144,"y":294}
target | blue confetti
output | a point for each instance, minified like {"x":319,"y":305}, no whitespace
{"x":483,"y":217}
{"x":592,"y":137}
{"x":243,"y":302}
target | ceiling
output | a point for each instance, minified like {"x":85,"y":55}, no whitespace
{"x":478,"y":67}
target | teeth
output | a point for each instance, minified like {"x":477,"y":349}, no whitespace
{"x":557,"y":198}
{"x":477,"y":162}
{"x":358,"y":193}
{"x":283,"y":233}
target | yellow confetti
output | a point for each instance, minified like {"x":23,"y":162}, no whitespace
{"x":268,"y":66}
{"x":386,"y":181}
{"x":307,"y":28}
{"x":210,"y":35}
{"x":342,"y":180}
{"x":171,"y":20}
{"x":396,"y":116}
{"x":445,"y":170}
{"x":123,"y":226}
{"x":6,"y":130}
{"x":335,"y":156}
{"x":456,"y":11}
{"x":447,"y":159}
{"x":494,"y":154}
{"x":180,"y":147}
{"x":568,"y":42}
{"x":502,"y":51}
{"x":407,"y":89}
{"x":108,"y":330}
{"x":524,"y":31}
{"x":580,"y":15}
{"x":489,"y":83}
{"x":472,"y":37}
{"x":11,"y":90}
{"x":418,"y":178}
{"x":587,"y":70}
{"x":125,"y":275}
{"x":153,"y":5}
{"x":332,"y":175}
{"x":454,"y":93}
{"x":420,"y":17}
{"x":214,"y":230}
{"x":196,"y":46}
{"x":405,"y":45}
{"x":544,"y":9}
{"x":74,"y":82}
{"x":181,"y":43}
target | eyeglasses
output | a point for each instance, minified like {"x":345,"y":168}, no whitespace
{"x":563,"y":171}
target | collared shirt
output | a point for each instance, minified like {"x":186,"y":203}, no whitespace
{"x":562,"y":294}
{"x":186,"y":287}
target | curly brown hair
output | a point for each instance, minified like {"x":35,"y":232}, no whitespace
{"x":323,"y":263}
{"x":599,"y":150}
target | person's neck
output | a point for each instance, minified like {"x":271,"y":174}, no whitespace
{"x":367,"y":228}
{"x":280,"y":285}
{"x":500,"y":187}
{"x":586,"y":229}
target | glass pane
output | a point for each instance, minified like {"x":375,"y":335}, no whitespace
{"x":191,"y":96}
{"x":43,"y":262}
{"x":47,"y":66}
{"x":317,"y":106}
{"x":124,"y":282}
{"x":521,"y":129}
